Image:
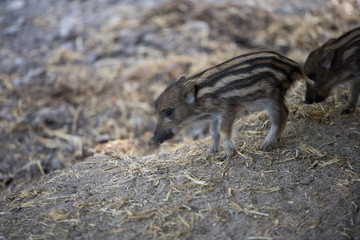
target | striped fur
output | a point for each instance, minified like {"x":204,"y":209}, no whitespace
{"x":250,"y":81}
{"x":335,"y":62}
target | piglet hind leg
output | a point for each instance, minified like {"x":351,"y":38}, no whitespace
{"x":226,"y":123}
{"x":215,"y":136}
{"x":278,"y":113}
{"x":354,"y":97}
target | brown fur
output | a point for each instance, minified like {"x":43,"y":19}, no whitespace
{"x":335,"y":62}
{"x":250,"y":81}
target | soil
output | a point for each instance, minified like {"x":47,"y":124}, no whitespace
{"x":78,"y":80}
{"x":306,"y":188}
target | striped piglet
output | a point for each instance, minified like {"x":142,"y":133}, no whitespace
{"x":250,"y":81}
{"x":335,"y":62}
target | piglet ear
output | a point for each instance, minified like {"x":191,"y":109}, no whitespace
{"x":327,"y":58}
{"x":181,"y":79}
{"x":188,"y":91}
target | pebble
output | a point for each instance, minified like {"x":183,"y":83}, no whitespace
{"x":29,"y":78}
{"x":55,"y":164}
{"x":70,"y":27}
{"x":51,"y":115}
{"x":15,"y":5}
{"x":10,"y":31}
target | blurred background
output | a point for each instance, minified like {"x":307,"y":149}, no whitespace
{"x":79,"y":78}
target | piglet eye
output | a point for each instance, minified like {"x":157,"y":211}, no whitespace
{"x":168,"y":113}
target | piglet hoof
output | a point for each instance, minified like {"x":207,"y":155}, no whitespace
{"x":266,"y":147}
{"x":229,"y":148}
{"x":228,"y":156}
{"x":349,"y":109}
{"x":213,"y":149}
{"x":209,"y":153}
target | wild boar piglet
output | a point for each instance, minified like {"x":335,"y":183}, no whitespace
{"x":335,"y":62}
{"x":253,"y":81}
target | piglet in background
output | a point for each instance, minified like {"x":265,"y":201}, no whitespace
{"x":335,"y":62}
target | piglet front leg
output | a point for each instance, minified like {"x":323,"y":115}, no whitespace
{"x":354,"y":97}
{"x":215,"y":135}
{"x":226,"y":123}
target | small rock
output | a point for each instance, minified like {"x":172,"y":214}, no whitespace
{"x":70,"y":27}
{"x":19,"y":63}
{"x":103,"y":138}
{"x":67,"y":148}
{"x":129,"y":37}
{"x":11,"y":64}
{"x":55,"y":164}
{"x":197,"y":29}
{"x":51,"y":115}
{"x":69,"y":46}
{"x":15,"y":4}
{"x":93,"y":58}
{"x":15,"y":28}
{"x":28,"y":79}
{"x":12,"y":30}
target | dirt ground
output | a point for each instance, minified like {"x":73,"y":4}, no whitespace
{"x":78,"y":81}
{"x":307,"y":188}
